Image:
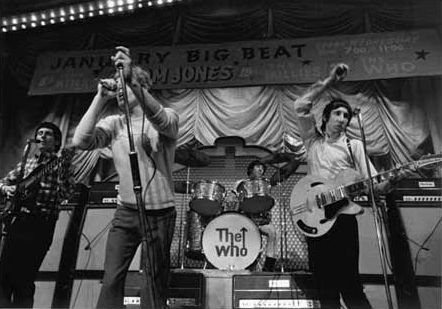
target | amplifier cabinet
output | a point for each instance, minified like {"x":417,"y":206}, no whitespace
{"x":186,"y":290}
{"x":274,"y":290}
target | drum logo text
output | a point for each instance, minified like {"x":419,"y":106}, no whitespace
{"x":234,"y":244}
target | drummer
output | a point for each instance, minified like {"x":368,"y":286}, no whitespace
{"x":256,"y":170}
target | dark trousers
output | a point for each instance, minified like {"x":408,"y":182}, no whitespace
{"x":124,"y":238}
{"x":29,"y":239}
{"x":334,"y":261}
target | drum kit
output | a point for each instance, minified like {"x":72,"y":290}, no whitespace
{"x":217,"y":229}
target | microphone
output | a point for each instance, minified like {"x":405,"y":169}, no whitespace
{"x":356,"y":111}
{"x":33,"y":140}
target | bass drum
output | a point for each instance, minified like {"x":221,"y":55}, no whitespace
{"x":231,"y":241}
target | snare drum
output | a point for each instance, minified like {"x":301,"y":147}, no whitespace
{"x":207,"y":197}
{"x":254,"y":195}
{"x":231,"y":241}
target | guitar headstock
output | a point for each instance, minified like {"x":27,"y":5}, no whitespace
{"x":428,"y":161}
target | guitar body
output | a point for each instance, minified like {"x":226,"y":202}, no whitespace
{"x":11,"y":206}
{"x":319,"y":221}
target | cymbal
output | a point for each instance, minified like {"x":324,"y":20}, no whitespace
{"x":284,"y":172}
{"x":181,"y":185}
{"x":279,"y":157}
{"x":191,"y":158}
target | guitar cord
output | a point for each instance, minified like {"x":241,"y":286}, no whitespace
{"x":89,"y":243}
{"x":421,"y":247}
{"x":82,"y":280}
{"x":100,"y":233}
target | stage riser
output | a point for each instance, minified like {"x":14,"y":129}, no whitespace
{"x":218,"y":294}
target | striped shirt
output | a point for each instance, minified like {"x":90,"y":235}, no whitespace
{"x":54,"y":186}
{"x":157,"y":138}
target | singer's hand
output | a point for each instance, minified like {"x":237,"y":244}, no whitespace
{"x":122,"y":58}
{"x":105,"y":92}
{"x":339,"y":72}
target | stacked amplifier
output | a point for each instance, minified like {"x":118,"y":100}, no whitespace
{"x":274,"y":290}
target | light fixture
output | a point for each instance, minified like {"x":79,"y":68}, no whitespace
{"x":74,"y":12}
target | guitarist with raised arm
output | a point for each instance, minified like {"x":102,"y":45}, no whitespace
{"x":334,"y":255}
{"x":35,"y":190}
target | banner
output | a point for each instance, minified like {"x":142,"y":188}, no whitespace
{"x":246,"y":63}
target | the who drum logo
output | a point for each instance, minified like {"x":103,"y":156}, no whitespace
{"x":231,"y":241}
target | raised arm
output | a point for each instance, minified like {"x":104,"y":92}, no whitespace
{"x":86,"y":132}
{"x":304,"y":104}
{"x":165,"y":120}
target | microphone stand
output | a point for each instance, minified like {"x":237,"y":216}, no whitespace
{"x":377,"y":221}
{"x":136,"y":179}
{"x":15,"y":199}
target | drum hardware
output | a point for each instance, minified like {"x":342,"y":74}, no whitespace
{"x":194,"y":249}
{"x":282,"y":217}
{"x":182,"y":187}
{"x":293,"y":151}
{"x":231,"y":201}
{"x":190,"y":158}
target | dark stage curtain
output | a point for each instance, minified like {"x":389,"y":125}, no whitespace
{"x":399,"y":115}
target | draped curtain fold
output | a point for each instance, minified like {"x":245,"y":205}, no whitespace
{"x":398,"y":114}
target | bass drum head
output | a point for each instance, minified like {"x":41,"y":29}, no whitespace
{"x":231,"y":241}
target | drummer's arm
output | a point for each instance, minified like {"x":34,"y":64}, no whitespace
{"x":236,"y":185}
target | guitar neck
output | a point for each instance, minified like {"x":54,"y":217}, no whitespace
{"x":41,"y":172}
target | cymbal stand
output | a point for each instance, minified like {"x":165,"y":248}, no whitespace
{"x":282,"y":221}
{"x":183,"y":231}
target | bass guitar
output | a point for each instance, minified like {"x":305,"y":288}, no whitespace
{"x":26,"y":189}
{"x":316,"y":202}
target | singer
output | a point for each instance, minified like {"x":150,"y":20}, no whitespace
{"x":334,"y":257}
{"x":30,"y":229}
{"x":155,"y":132}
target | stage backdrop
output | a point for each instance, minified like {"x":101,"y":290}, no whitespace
{"x":264,"y":62}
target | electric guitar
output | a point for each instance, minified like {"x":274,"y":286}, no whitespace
{"x":26,"y":189}
{"x":327,"y":199}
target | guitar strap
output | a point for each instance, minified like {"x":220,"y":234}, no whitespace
{"x":351,"y":153}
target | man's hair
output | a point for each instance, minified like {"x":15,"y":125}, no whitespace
{"x":334,"y":104}
{"x":253,"y":164}
{"x":140,"y":75}
{"x":55,"y":129}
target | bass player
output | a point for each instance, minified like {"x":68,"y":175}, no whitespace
{"x":31,"y":229}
